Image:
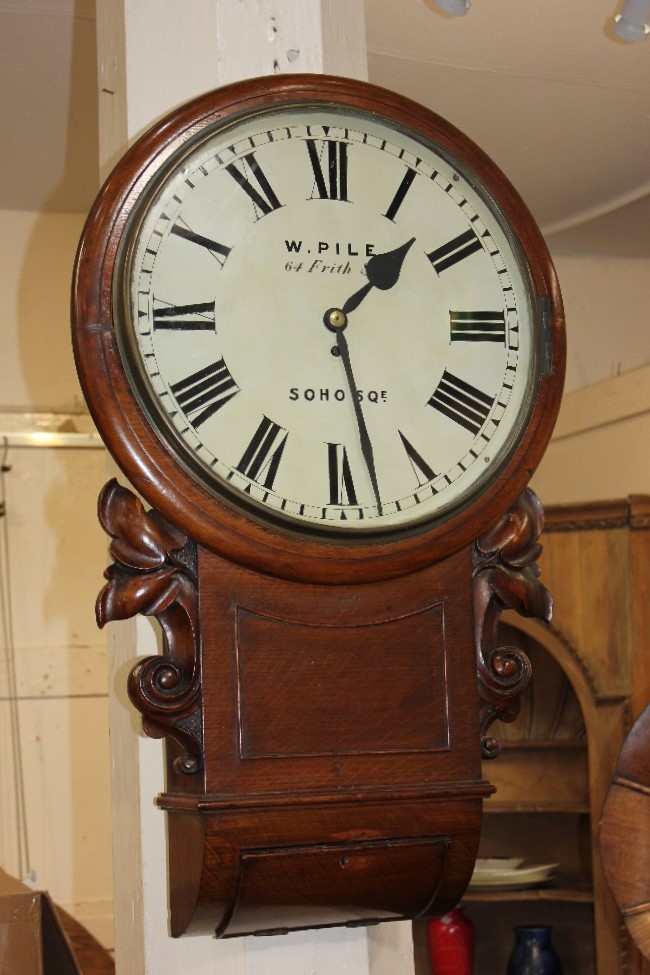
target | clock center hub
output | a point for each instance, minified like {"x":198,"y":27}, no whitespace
{"x":335,"y":319}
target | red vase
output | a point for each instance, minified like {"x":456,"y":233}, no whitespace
{"x":451,"y":944}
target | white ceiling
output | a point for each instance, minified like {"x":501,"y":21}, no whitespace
{"x":543,"y":86}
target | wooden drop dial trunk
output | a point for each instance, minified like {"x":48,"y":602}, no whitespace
{"x":322,"y":726}
{"x":324,"y":761}
{"x":338,"y":515}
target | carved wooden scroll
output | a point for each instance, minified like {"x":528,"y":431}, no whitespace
{"x":154,"y":573}
{"x":506,"y":577}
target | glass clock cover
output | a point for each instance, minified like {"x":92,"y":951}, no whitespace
{"x":328,"y":320}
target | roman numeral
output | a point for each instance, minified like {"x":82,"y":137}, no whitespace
{"x":178,"y":318}
{"x":454,"y":251}
{"x":477,"y":326}
{"x":461,"y":402}
{"x":262,"y":195}
{"x":261,"y":459}
{"x":331,"y":184}
{"x":340,"y":476}
{"x":402,"y":190}
{"x":204,"y":392}
{"x":418,"y":463}
{"x":219,"y":251}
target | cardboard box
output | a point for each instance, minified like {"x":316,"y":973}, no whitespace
{"x":32,"y":941}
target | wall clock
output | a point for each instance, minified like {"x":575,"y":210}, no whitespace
{"x":322,"y":336}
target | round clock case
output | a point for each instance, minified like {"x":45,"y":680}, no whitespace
{"x":318,"y":329}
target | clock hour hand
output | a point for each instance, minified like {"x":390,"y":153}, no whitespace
{"x":382,"y":271}
{"x":364,"y":439}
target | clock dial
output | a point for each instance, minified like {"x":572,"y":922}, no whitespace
{"x":328,"y":321}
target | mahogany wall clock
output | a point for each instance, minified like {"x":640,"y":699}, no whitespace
{"x":322,"y":336}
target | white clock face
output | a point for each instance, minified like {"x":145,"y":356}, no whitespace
{"x":328,"y":322}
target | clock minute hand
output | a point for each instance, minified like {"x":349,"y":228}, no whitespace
{"x":364,"y":439}
{"x":383,"y":271}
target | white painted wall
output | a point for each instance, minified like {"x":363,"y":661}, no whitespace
{"x":51,"y":565}
{"x":599,"y":448}
{"x":36,"y":255}
{"x":59,"y":696}
{"x":608,"y":329}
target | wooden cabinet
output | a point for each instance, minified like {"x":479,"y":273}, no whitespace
{"x":591,"y":678}
{"x":542,"y":812}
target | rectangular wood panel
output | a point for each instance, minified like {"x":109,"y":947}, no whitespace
{"x":354,"y":678}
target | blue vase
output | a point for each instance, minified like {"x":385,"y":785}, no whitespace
{"x":533,"y":953}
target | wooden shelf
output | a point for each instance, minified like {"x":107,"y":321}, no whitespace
{"x":541,"y":774}
{"x":541,"y":744}
{"x":573,"y":895}
{"x":493,"y":806}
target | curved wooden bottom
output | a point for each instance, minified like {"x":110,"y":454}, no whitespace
{"x":268,"y":870}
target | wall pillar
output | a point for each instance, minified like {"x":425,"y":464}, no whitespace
{"x":152,"y":56}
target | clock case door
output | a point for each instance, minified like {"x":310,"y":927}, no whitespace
{"x":324,"y":703}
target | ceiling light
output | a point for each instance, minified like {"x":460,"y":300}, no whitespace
{"x":456,"y":7}
{"x":632,"y":23}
